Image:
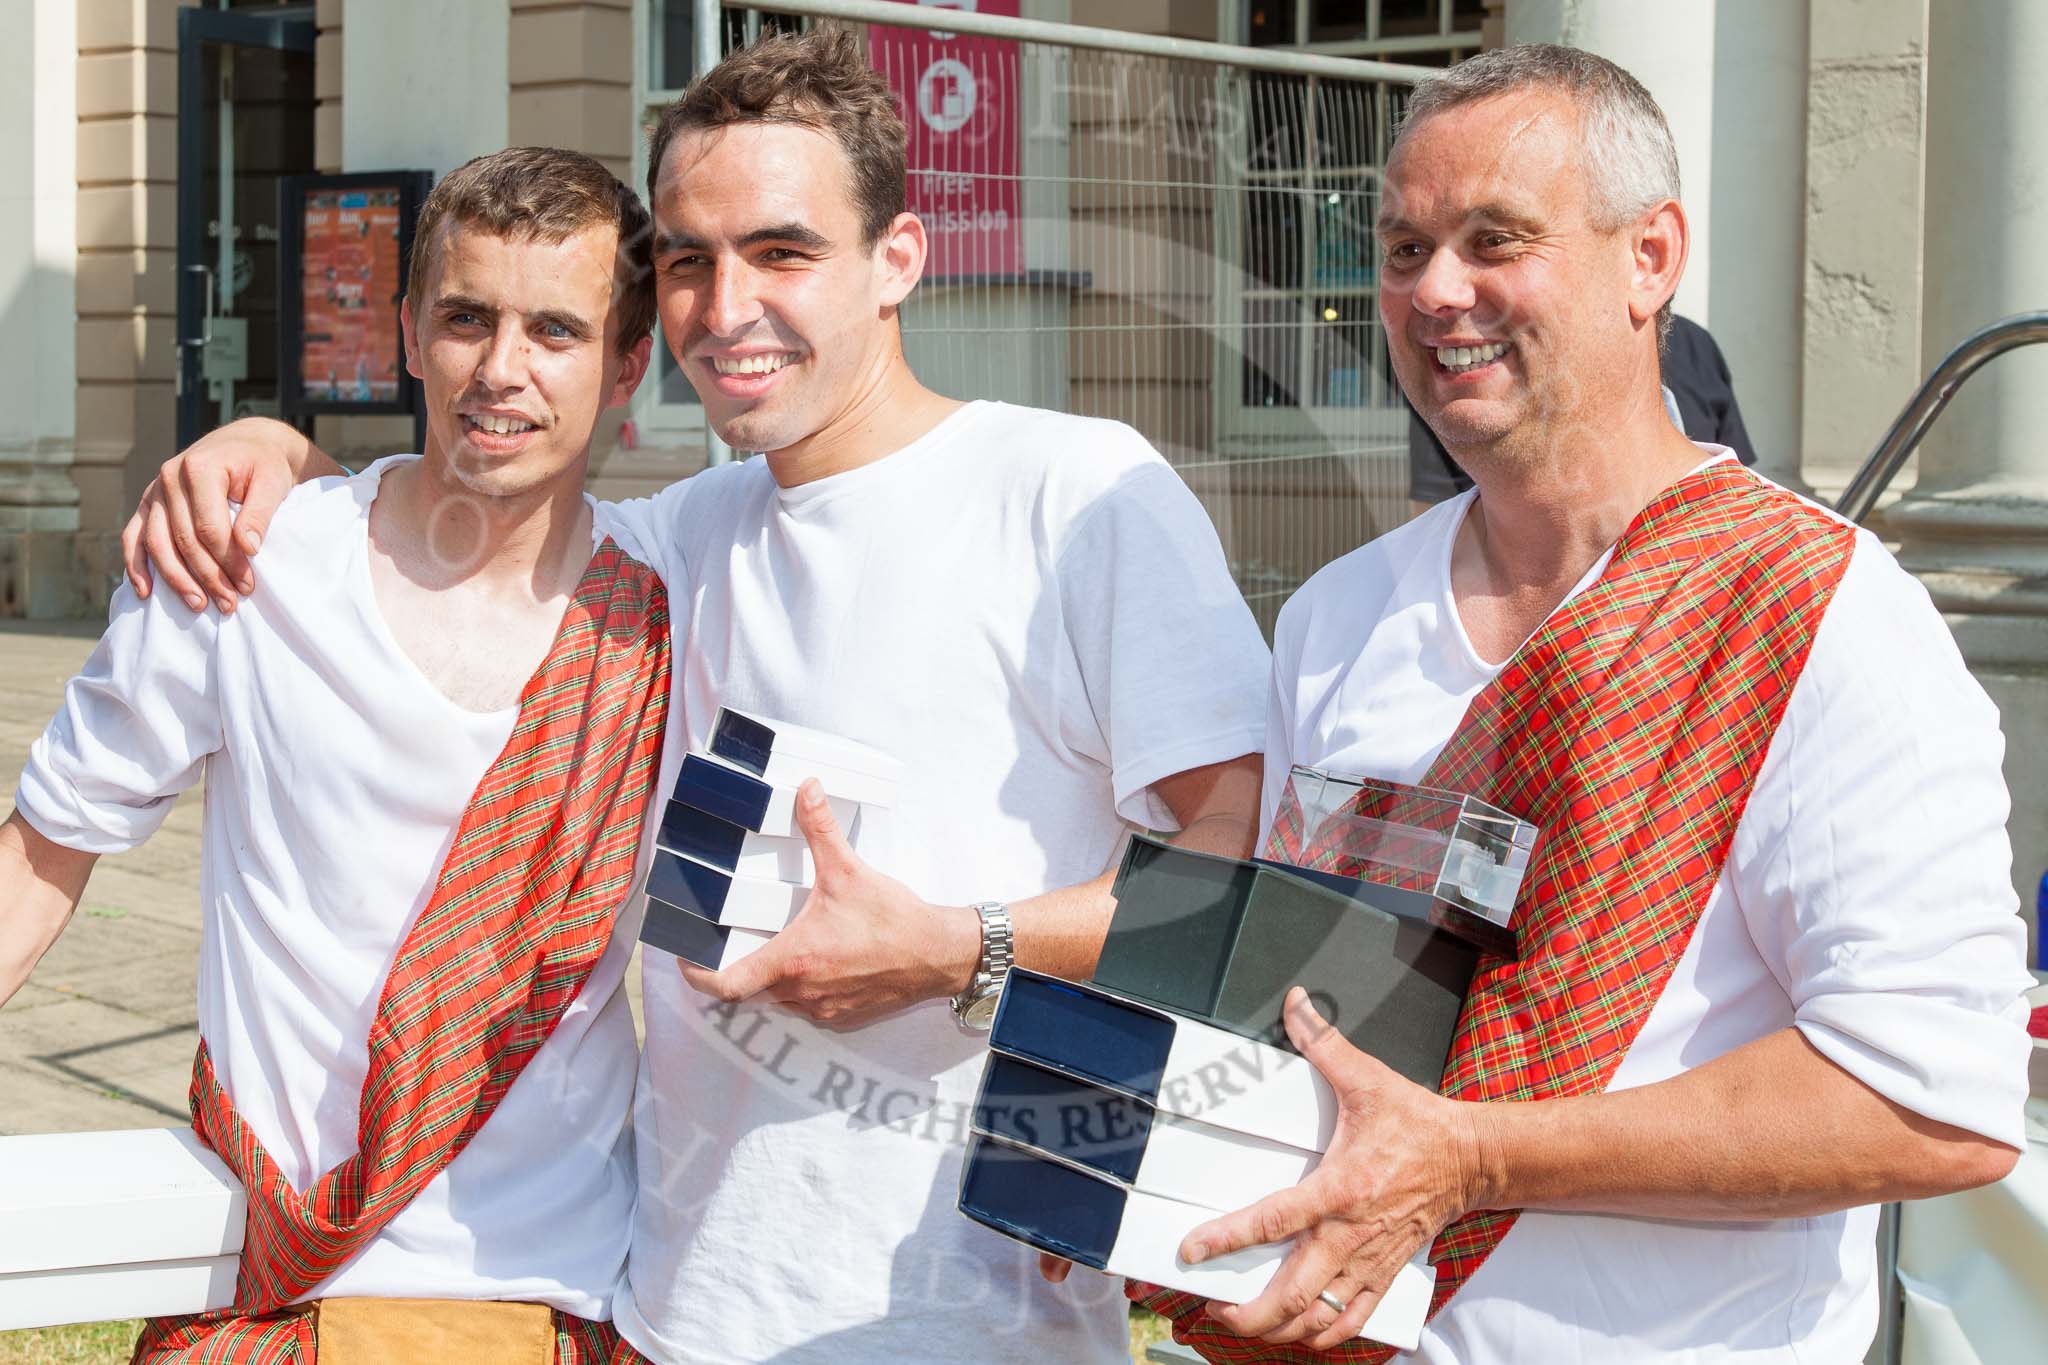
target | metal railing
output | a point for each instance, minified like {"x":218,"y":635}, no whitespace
{"x":1171,"y":233}
{"x":1927,"y":403}
{"x":1278,"y":60}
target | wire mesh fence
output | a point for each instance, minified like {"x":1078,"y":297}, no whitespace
{"x":1183,"y":245}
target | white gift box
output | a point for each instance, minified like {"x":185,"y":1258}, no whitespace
{"x":733,"y":794}
{"x":1097,"y":1222}
{"x":734,"y":848}
{"x":1131,"y":1142}
{"x":113,"y":1225}
{"x":723,"y":897}
{"x":1177,"y":1065}
{"x":779,"y":752}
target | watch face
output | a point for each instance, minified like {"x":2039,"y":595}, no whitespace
{"x":981,"y":1013}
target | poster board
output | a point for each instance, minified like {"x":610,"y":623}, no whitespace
{"x":961,"y":103}
{"x":346,"y":245}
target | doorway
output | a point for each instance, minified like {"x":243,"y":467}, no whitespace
{"x":245,"y":119}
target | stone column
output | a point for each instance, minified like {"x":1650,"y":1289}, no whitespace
{"x":570,"y":84}
{"x":407,"y":102}
{"x":327,"y":59}
{"x":1731,"y":80}
{"x":570,"y":78}
{"x":1864,"y":134}
{"x":1758,"y":218}
{"x":1975,"y":525}
{"x":38,"y":292}
{"x":1669,"y":47}
{"x":126,"y":334}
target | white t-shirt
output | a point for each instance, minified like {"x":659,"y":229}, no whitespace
{"x":335,"y":776}
{"x":1865,"y":901}
{"x":1032,"y":612}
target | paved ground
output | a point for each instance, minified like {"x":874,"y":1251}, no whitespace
{"x":102,"y":1035}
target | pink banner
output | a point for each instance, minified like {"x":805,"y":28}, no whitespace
{"x":960,"y":102}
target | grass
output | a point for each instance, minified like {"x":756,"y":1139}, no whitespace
{"x":1147,"y":1329}
{"x":88,"y":1343}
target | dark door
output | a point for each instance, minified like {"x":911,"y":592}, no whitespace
{"x":245,"y":119}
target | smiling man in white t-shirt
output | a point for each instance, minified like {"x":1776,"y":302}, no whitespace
{"x":429,"y":741}
{"x":1030,"y":610}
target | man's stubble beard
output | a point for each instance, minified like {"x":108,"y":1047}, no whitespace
{"x":1541,"y":420}
{"x":491,"y":481}
{"x":788,"y":418}
{"x":754,"y":430}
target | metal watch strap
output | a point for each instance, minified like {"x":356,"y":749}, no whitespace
{"x":998,"y":941}
{"x":997,"y":954}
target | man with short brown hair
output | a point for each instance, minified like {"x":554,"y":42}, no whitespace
{"x":429,"y":738}
{"x":1028,"y":609}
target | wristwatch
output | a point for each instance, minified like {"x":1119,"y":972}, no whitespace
{"x":975,"y":1007}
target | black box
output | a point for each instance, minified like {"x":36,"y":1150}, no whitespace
{"x":1223,"y":939}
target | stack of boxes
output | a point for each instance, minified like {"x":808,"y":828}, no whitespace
{"x":1117,"y":1116}
{"x":1107,"y":1130}
{"x":731,"y":866}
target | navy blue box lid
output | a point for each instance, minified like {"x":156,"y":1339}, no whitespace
{"x":690,"y":937}
{"x":1083,"y":1034}
{"x":677,"y":881}
{"x":742,"y":740}
{"x":1055,"y":1113}
{"x":701,"y":835}
{"x":1036,"y":1200}
{"x":716,"y":789}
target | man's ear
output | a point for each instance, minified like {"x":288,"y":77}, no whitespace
{"x":900,"y":258}
{"x":411,"y":333}
{"x":1658,"y":244}
{"x":632,"y":369}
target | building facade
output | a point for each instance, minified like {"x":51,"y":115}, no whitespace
{"x":1867,"y":181}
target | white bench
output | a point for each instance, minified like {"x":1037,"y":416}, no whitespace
{"x":115,"y":1225}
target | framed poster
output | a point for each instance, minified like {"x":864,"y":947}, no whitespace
{"x":346,"y":244}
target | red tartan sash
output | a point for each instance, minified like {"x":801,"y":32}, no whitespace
{"x":1630,"y":729}
{"x":521,"y":912}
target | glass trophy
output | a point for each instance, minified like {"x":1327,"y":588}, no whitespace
{"x":1468,"y":856}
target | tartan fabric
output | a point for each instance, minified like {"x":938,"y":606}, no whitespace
{"x":522,"y":910}
{"x":581,"y":1342}
{"x":285,"y":1337}
{"x":1630,"y":729}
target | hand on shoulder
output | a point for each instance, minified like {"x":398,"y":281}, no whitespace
{"x":186,"y":527}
